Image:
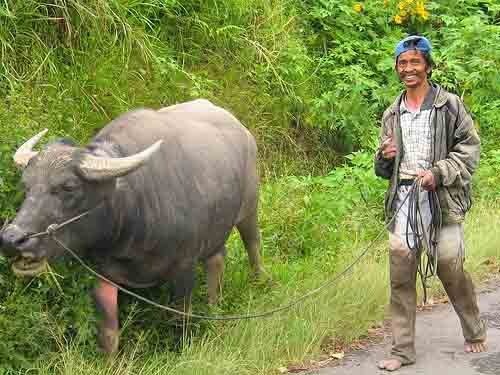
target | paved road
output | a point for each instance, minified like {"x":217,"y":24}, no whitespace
{"x":439,"y":345}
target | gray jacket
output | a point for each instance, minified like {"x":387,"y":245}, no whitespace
{"x":456,"y":149}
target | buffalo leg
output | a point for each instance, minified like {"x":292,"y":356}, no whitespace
{"x":106,"y":298}
{"x":183,"y":286}
{"x":215,"y":275}
{"x":249,"y":232}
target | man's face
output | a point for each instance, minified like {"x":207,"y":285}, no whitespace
{"x":412,"y":68}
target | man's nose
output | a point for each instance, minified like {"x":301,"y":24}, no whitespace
{"x":11,"y":238}
{"x":409,"y":68}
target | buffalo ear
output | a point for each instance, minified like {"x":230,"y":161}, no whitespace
{"x":97,"y":168}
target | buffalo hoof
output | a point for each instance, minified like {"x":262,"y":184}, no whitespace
{"x":108,"y":340}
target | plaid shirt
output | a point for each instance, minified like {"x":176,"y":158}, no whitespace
{"x":417,"y":137}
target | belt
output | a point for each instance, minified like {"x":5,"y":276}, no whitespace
{"x":406,"y":182}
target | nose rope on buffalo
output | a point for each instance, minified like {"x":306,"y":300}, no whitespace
{"x":416,"y":216}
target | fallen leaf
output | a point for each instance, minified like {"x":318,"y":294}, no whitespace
{"x":358,"y":345}
{"x":338,"y":355}
{"x":296,"y":369}
{"x":490,"y":261}
{"x":375,"y":331}
{"x":442,"y":300}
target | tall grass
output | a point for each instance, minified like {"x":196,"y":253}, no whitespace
{"x":37,"y":36}
{"x":90,"y":61}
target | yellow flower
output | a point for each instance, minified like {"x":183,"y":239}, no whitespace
{"x":412,"y":12}
{"x":403,"y":13}
{"x":401,"y":5}
{"x":357,"y":7}
{"x":398,"y":19}
{"x":425,"y":15}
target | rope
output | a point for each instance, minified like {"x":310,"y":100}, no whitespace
{"x":415,"y":223}
{"x":423,"y":238}
{"x":53,"y":228}
{"x":219,"y":318}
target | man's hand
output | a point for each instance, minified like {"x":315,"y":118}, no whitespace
{"x":428,"y":181}
{"x":388,"y":149}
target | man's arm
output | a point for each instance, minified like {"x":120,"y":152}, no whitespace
{"x":462,"y":160}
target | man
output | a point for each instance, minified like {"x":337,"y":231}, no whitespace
{"x":427,"y":134}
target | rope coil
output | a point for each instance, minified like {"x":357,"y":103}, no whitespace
{"x":423,"y":238}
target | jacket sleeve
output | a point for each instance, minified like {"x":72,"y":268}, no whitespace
{"x":383,"y":167}
{"x":463,"y":158}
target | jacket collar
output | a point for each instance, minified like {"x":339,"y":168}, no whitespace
{"x":439,"y":100}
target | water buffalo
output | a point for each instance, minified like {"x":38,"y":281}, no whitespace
{"x":163,"y":190}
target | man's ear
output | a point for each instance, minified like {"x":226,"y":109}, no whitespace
{"x":428,"y":67}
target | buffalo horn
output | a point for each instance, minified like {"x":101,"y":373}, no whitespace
{"x":102,"y":168}
{"x":25,"y":152}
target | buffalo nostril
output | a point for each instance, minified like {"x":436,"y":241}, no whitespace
{"x":19,"y":241}
{"x":13,"y":236}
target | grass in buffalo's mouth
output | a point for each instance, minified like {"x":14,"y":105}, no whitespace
{"x":25,"y":266}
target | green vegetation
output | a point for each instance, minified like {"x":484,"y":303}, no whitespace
{"x":310,"y":79}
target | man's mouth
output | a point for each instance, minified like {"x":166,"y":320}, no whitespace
{"x":26,"y":266}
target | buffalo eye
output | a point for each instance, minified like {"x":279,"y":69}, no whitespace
{"x":69,"y":187}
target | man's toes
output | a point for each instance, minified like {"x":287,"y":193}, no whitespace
{"x":390,"y":364}
{"x":480,"y":347}
{"x":393,"y":366}
{"x":477,"y":347}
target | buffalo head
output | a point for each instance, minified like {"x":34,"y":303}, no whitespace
{"x":61,"y":182}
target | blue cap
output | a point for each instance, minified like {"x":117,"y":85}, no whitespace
{"x":414,"y":42}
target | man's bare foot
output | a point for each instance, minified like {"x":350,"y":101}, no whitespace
{"x":475,"y":347}
{"x":392,"y":364}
